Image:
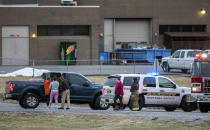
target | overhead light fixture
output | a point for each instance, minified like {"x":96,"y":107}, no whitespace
{"x":33,"y":35}
{"x":203,"y":11}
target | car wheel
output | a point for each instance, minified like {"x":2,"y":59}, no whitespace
{"x":203,"y":108}
{"x":187,"y":106}
{"x":141,"y":102}
{"x":31,"y":100}
{"x":170,"y":108}
{"x":166,"y":67}
{"x":92,"y":106}
{"x":21,"y":103}
{"x":100,"y":104}
{"x":184,"y":70}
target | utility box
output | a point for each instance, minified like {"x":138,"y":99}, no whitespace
{"x":68,"y":53}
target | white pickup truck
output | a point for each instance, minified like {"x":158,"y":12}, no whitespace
{"x":181,"y":59}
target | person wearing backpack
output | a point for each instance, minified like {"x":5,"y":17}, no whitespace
{"x":134,"y":98}
{"x":65,"y":92}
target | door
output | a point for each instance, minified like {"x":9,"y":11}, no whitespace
{"x":108,"y":35}
{"x":127,"y":82}
{"x":132,"y":31}
{"x":81,"y":88}
{"x":169,"y":93}
{"x":181,"y":60}
{"x":174,"y":60}
{"x":150,"y":90}
{"x":15,"y":45}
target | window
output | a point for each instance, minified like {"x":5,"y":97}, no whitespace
{"x":52,"y":75}
{"x":53,"y":31}
{"x":181,"y":28}
{"x":110,"y":81}
{"x":174,"y":28}
{"x":165,"y":83}
{"x":163,"y":29}
{"x":186,"y":28}
{"x":149,"y":82}
{"x":199,"y":28}
{"x":76,"y":79}
{"x":182,"y":54}
{"x":129,"y":80}
{"x":63,"y":30}
{"x":192,"y":54}
{"x":176,"y":54}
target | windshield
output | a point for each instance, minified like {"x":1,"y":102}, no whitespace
{"x":201,"y":69}
{"x":110,"y":81}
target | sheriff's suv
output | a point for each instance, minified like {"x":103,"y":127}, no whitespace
{"x":154,"y":90}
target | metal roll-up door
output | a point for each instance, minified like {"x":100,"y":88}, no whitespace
{"x":132,"y":30}
{"x":15,"y":45}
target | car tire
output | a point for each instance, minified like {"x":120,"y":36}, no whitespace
{"x":92,"y":106}
{"x":21,"y":103}
{"x":141,"y":102}
{"x":170,"y":109}
{"x":101,"y":105}
{"x":31,"y":100}
{"x":203,"y":108}
{"x":166,"y":67}
{"x":187,"y":107}
{"x":184,"y":71}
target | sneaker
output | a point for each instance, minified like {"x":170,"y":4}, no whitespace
{"x":135,"y":109}
{"x":61,"y":108}
{"x":67,"y":108}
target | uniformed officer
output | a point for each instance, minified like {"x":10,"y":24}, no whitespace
{"x":134,"y":98}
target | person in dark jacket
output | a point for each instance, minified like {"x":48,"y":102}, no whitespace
{"x":134,"y":98}
{"x":64,"y":88}
{"x":118,"y":94}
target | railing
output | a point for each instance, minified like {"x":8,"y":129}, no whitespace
{"x":86,"y":67}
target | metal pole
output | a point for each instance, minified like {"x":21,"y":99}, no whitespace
{"x":67,"y":64}
{"x":156,"y":63}
{"x":33,"y":67}
{"x":134,"y":66}
{"x":100,"y":67}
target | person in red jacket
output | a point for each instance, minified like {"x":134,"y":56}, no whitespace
{"x":118,"y":94}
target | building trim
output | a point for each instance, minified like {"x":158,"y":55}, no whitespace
{"x":37,"y":6}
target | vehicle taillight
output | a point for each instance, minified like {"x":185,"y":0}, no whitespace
{"x":11,"y":86}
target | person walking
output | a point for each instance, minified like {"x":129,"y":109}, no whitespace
{"x":54,"y":91}
{"x":134,"y":98}
{"x":47,"y":90}
{"x":64,"y":88}
{"x":118,"y":94}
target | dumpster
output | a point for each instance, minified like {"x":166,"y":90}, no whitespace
{"x":68,"y":52}
{"x":104,"y":57}
{"x":144,"y":55}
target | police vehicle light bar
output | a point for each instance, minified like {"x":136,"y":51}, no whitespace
{"x":204,"y":55}
{"x":153,"y":74}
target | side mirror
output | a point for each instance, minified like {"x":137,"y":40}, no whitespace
{"x":174,"y":87}
{"x":86,"y":84}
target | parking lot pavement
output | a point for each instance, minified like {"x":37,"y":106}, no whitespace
{"x":96,"y":69}
{"x":190,"y":118}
